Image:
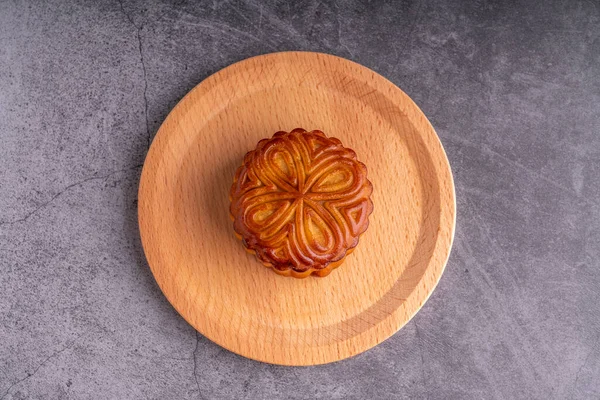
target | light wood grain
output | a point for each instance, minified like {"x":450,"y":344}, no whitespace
{"x":224,"y":292}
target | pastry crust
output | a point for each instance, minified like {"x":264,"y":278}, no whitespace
{"x":300,"y":201}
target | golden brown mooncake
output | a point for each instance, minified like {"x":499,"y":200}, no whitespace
{"x":300,"y":201}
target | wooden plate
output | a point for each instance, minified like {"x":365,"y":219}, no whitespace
{"x":225,"y":293}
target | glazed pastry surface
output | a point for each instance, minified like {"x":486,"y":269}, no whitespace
{"x":300,"y":201}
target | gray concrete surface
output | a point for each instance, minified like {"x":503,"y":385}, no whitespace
{"x":513,"y":89}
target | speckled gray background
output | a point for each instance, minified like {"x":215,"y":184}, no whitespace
{"x":512,"y":88}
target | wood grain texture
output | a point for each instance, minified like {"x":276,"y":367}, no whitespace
{"x":223,"y":291}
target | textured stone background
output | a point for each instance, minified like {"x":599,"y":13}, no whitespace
{"x":513,"y":89}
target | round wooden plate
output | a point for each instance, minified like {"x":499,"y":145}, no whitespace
{"x":224,"y":292}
